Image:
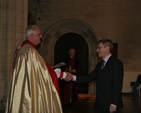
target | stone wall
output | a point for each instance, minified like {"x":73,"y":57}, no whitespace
{"x":13,"y":21}
{"x":116,"y":20}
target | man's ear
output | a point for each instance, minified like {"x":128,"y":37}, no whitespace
{"x":108,"y":48}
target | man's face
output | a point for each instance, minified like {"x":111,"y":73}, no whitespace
{"x":72,"y":52}
{"x":102,"y":50}
{"x":37,"y":36}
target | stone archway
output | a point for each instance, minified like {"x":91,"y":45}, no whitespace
{"x":59,"y":28}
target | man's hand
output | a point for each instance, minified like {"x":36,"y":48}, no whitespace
{"x":112,"y":108}
{"x":68,"y":77}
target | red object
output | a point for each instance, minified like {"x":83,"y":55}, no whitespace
{"x":54,"y":78}
{"x":70,"y":90}
{"x":61,"y":75}
{"x":51,"y":71}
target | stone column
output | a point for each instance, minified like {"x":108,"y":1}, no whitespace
{"x":13,"y":22}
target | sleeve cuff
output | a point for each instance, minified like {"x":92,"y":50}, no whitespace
{"x":74,"y":77}
{"x":60,"y":74}
{"x":113,"y":105}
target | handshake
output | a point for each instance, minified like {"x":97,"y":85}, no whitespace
{"x":67,"y":76}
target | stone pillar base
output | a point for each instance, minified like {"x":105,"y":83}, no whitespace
{"x":3,"y":102}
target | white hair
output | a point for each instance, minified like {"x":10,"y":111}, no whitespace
{"x":30,"y":29}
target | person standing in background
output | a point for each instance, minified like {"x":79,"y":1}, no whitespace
{"x":73,"y":66}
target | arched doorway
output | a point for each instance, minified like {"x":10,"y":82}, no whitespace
{"x":78,"y":42}
{"x":55,"y":31}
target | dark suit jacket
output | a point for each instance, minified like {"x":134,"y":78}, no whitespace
{"x":108,"y":83}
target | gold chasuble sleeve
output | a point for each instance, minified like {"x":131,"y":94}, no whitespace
{"x":32,"y":89}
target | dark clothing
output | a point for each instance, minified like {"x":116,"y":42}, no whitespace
{"x":75,"y":64}
{"x":70,"y":90}
{"x":109,"y":82}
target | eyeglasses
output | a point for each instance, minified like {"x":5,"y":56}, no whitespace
{"x":101,"y":47}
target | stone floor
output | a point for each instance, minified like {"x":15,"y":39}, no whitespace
{"x":85,"y":104}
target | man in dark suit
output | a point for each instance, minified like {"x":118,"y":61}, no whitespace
{"x":109,"y":79}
